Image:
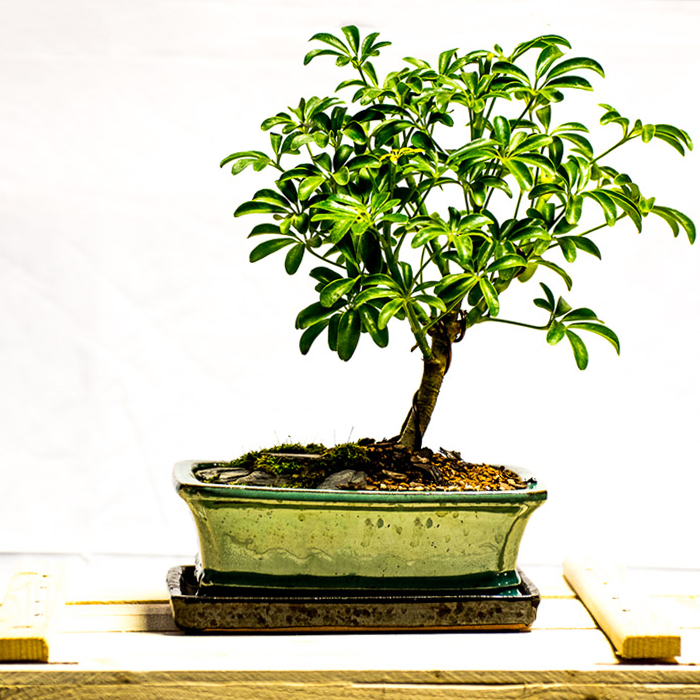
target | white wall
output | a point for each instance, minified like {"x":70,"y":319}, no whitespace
{"x":133,"y":331}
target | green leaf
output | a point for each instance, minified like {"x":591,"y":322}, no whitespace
{"x":600,"y":330}
{"x":544,"y":116}
{"x":310,"y":334}
{"x":301,"y":172}
{"x":301,"y":140}
{"x":445,"y":59}
{"x":355,"y":132}
{"x":464,"y":247}
{"x":539,"y":42}
{"x":352,"y":34}
{"x":281,"y":118}
{"x":427,"y":234}
{"x":547,"y":56}
{"x":673,"y":217}
{"x":313,"y":314}
{"x":629,"y":206}
{"x":536,"y":160}
{"x":342,"y":177}
{"x":386,"y":131}
{"x":562,"y":307}
{"x":507,"y":68}
{"x":253,"y":207}
{"x":648,"y":131}
{"x":586,"y":245}
{"x":308,"y":185}
{"x":501,"y":131}
{"x":575,"y":64}
{"x":294,"y":258}
{"x":674,"y":143}
{"x":417,"y":62}
{"x":271,"y":197}
{"x":253,"y":155}
{"x":545,"y":189}
{"x":573,"y":209}
{"x":567,"y":248}
{"x":324,"y":275}
{"x":571,"y":126}
{"x":497,"y":182}
{"x":372,"y":294}
{"x":579,"y":348}
{"x":422,"y":140}
{"x":240,"y":165}
{"x":555,"y":332}
{"x":329,"y":39}
{"x":268,"y":247}
{"x":369,"y":47}
{"x":262,"y":229}
{"x":319,"y":52}
{"x":570,"y":81}
{"x":521,"y":173}
{"x":335,"y":290}
{"x":455,"y":286}
{"x":505,"y":262}
{"x":333,"y":332}
{"x":582,"y":314}
{"x":490,"y":295}
{"x":320,"y":139}
{"x":548,"y":293}
{"x":369,"y":317}
{"x":606,"y":203}
{"x":349,"y":328}
{"x":431,"y":301}
{"x":583,"y":145}
{"x":363,"y":161}
{"x":388,"y":311}
{"x":675,"y":132}
{"x":555,"y":268}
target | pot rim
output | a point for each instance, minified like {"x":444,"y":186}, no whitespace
{"x":184,"y":480}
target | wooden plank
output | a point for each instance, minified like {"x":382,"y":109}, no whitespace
{"x":26,"y":615}
{"x":512,"y":691}
{"x":554,"y":613}
{"x":553,"y":651}
{"x":341,"y":685}
{"x":627,"y":618}
{"x":116,"y":651}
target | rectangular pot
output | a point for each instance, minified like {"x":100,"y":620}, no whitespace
{"x":264,"y":537}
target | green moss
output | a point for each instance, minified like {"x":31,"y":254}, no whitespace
{"x":304,"y":474}
{"x":349,"y":455}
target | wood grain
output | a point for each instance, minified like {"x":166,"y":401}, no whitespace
{"x":628,"y":618}
{"x":119,"y":651}
{"x":26,"y":615}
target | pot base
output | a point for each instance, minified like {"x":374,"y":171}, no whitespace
{"x":205,"y":609}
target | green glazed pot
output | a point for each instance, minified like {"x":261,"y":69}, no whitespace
{"x":262,"y":537}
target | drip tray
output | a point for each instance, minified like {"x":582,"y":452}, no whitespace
{"x":260,"y":610}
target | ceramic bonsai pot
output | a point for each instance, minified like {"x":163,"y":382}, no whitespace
{"x":262,"y":537}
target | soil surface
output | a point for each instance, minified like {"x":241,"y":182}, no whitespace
{"x":366,"y":465}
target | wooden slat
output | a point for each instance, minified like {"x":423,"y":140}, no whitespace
{"x":116,"y":651}
{"x":26,"y":615}
{"x":627,"y":618}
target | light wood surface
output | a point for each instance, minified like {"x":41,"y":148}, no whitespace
{"x":26,"y":615}
{"x":133,"y":650}
{"x":628,"y":618}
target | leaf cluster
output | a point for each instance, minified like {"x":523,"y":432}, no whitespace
{"x":353,"y":185}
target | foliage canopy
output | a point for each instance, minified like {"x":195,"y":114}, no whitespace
{"x":355,"y":186}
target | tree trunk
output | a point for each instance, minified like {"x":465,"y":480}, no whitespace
{"x":443,"y":335}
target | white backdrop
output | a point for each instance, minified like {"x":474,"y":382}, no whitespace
{"x":134,"y":333}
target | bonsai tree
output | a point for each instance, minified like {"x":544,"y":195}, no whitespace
{"x":356,"y":186}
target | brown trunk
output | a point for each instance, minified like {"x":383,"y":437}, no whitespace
{"x":434,"y":369}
